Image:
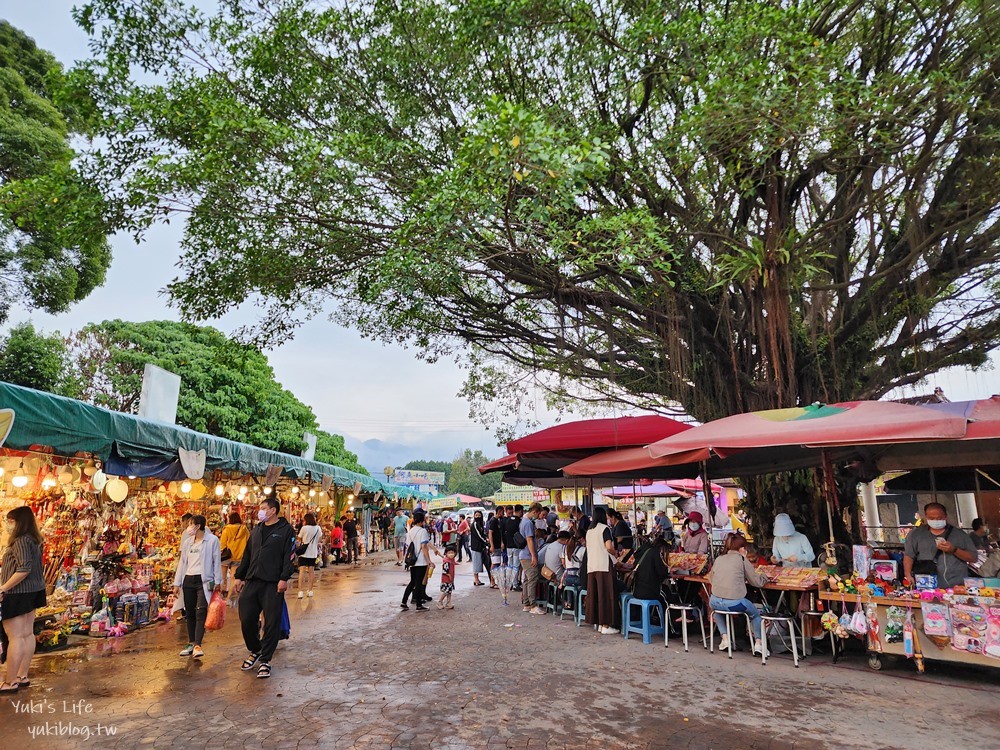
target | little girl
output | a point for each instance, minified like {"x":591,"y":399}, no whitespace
{"x":447,"y":577}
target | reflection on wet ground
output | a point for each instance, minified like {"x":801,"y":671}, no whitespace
{"x":359,"y":673}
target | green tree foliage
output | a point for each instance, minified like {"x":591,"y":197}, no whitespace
{"x":465,"y":478}
{"x":53,"y":227}
{"x":426,"y":465}
{"x":35,"y":360}
{"x":227,"y":389}
{"x":725,"y":205}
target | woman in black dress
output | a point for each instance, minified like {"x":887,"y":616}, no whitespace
{"x":22,"y":591}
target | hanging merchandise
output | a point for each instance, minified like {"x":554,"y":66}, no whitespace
{"x":894,"y":624}
{"x":968,"y":625}
{"x":908,"y":648}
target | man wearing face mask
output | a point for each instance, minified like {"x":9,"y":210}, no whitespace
{"x":261,"y":581}
{"x":938,"y":548}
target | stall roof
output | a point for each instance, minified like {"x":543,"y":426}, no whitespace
{"x":69,"y":427}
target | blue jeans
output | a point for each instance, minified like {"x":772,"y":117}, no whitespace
{"x":735,"y":605}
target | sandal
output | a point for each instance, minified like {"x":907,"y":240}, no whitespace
{"x":9,"y":687}
{"x":494,"y":586}
{"x":24,"y":681}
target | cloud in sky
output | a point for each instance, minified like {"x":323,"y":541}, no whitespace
{"x":361,"y":389}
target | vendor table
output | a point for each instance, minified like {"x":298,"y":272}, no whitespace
{"x":920,"y":653}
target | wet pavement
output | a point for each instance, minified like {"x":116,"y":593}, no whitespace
{"x":359,"y":673}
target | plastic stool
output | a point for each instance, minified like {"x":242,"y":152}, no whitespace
{"x":803,"y":616}
{"x":581,"y":595}
{"x":626,"y":595}
{"x":684,"y":609}
{"x":551,"y":597}
{"x":766,"y":620}
{"x":729,"y":615}
{"x":569,"y":595}
{"x":645,"y":627}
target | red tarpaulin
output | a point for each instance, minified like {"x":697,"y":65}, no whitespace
{"x":598,"y":434}
{"x":628,"y":461}
{"x":818,"y":426}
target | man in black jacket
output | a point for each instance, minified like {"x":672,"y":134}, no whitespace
{"x":261,"y":581}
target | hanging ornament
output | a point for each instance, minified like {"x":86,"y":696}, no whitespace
{"x":117,"y":490}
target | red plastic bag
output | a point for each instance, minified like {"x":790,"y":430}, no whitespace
{"x":216,"y":617}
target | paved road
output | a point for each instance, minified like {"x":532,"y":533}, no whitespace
{"x":358,"y":673}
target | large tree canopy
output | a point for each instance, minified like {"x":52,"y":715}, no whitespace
{"x":227,"y":389}
{"x":53,"y":245}
{"x":726,"y":205}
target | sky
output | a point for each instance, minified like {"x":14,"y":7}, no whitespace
{"x":390,"y":406}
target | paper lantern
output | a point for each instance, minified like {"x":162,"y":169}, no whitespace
{"x":98,"y":480}
{"x":117,"y":490}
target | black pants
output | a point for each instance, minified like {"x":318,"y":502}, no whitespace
{"x":463,"y":544}
{"x":416,"y":586}
{"x":195,"y":608}
{"x":256,"y":597}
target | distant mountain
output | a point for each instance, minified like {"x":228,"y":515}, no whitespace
{"x":375,"y":454}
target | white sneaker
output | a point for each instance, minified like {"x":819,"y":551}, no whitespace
{"x":757,"y":647}
{"x":724,"y":643}
{"x":609,"y":631}
{"x":525,"y":609}
{"x":309,"y":594}
{"x":537,"y":611}
{"x":302,"y":594}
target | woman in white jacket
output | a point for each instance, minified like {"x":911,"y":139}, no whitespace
{"x":199,"y":573}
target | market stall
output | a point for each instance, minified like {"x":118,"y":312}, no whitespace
{"x":109,"y":490}
{"x":958,"y":625}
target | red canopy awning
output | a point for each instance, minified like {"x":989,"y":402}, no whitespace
{"x":599,"y":434}
{"x":628,"y":461}
{"x":501,"y":464}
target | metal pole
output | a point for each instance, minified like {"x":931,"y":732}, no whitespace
{"x":933,"y":485}
{"x":710,"y":504}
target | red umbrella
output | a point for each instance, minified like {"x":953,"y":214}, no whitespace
{"x":817,"y":426}
{"x":599,"y":434}
{"x":632,"y":461}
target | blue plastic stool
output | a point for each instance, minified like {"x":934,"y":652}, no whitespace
{"x":626,"y":595}
{"x":569,"y":598}
{"x":581,"y":595}
{"x":644,"y":627}
{"x":551,"y":597}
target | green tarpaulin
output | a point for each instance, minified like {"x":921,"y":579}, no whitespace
{"x":69,"y":427}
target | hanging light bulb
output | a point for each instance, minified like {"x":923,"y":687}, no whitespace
{"x":312,"y":493}
{"x":185,"y":486}
{"x":267,"y":490}
{"x":295,"y":490}
{"x":2,"y":472}
{"x":20,"y":479}
{"x":219,"y":490}
{"x":49,"y":482}
{"x":350,"y":496}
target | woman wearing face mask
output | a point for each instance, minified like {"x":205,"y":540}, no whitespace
{"x":695,"y":539}
{"x":790,"y":549}
{"x":22,"y":591}
{"x":199,"y":573}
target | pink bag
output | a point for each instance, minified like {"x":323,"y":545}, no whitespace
{"x":216,"y":616}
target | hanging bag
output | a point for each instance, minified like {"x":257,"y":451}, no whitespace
{"x":216,"y":617}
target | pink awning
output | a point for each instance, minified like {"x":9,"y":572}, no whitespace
{"x":817,"y":426}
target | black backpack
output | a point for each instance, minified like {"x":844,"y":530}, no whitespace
{"x":410,"y":558}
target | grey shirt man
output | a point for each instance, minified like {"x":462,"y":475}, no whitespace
{"x":921,"y":547}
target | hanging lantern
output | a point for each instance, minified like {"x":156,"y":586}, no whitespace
{"x":20,"y":479}
{"x":116,"y":489}
{"x":185,"y":487}
{"x":219,"y":490}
